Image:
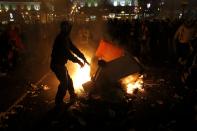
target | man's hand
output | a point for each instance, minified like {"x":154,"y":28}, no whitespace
{"x":85,"y":61}
{"x":81,"y":64}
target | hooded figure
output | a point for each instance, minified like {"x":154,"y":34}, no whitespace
{"x":62,"y":51}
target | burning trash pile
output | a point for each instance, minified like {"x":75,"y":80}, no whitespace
{"x":111,"y":67}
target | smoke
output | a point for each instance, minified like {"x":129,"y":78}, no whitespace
{"x":86,"y":36}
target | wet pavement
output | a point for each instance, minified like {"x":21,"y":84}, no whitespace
{"x":165,"y":105}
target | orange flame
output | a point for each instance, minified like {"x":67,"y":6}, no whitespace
{"x":132,"y":82}
{"x":79,"y":76}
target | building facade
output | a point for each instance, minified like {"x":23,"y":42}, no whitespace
{"x":96,"y":3}
{"x":104,"y":9}
{"x":20,"y":11}
{"x":28,"y":11}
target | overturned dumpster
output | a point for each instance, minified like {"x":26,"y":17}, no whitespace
{"x":112,"y":71}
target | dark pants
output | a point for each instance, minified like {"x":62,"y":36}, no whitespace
{"x":66,"y":83}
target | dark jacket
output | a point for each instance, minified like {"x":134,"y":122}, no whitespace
{"x":62,"y":49}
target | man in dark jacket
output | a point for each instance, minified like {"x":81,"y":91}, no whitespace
{"x":61,"y":53}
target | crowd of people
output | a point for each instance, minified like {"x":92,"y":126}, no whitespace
{"x":154,"y":40}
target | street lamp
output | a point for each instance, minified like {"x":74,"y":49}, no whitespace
{"x":148,"y":5}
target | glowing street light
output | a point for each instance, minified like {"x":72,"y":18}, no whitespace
{"x":115,"y":3}
{"x":148,"y":5}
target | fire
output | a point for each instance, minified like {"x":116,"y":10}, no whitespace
{"x":132,"y":82}
{"x":79,"y":76}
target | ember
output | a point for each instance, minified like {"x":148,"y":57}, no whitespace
{"x":132,"y":82}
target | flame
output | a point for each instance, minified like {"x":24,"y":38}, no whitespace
{"x":132,"y":82}
{"x":79,"y":76}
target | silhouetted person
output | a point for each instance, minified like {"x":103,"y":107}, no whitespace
{"x":183,"y":35}
{"x":61,"y":53}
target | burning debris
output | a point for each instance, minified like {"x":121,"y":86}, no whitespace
{"x":132,"y":82}
{"x":79,"y":76}
{"x":45,"y":87}
{"x":117,"y":68}
{"x":114,"y":68}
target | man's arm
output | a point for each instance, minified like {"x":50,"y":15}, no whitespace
{"x":74,"y":59}
{"x":75,"y":50}
{"x":70,"y":56}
